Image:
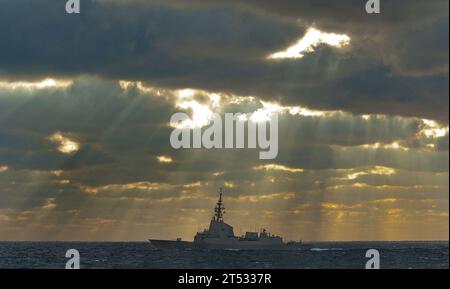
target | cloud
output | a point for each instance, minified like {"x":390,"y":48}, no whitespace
{"x":164,"y":159}
{"x":410,"y":38}
{"x":310,"y":40}
{"x":111,"y":124}
{"x":276,"y":167}
{"x":49,"y":204}
{"x":394,"y":65}
{"x":65,"y":144}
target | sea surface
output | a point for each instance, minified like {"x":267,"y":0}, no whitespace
{"x":141,"y":255}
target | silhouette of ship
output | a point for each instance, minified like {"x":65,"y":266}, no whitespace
{"x":220,"y":235}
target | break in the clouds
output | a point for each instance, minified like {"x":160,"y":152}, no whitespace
{"x":86,"y":100}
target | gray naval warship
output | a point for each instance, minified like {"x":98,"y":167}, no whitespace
{"x":220,"y":235}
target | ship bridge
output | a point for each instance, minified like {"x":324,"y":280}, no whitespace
{"x":217,"y":227}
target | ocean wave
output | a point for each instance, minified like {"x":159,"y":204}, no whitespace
{"x":326,"y":249}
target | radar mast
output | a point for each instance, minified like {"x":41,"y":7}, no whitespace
{"x":219,"y":210}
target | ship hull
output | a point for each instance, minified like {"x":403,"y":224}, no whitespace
{"x":168,"y":244}
{"x":238,"y":245}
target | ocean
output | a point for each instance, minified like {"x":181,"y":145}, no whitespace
{"x":140,"y":255}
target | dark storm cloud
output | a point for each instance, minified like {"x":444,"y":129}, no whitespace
{"x":411,"y":37}
{"x":127,"y":41}
{"x":397,"y":62}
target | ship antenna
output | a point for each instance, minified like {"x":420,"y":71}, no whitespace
{"x":220,"y":209}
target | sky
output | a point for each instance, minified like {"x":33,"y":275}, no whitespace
{"x":86,"y":101}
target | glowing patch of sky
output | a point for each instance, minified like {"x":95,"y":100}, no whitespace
{"x":65,"y":144}
{"x":309,"y":42}
{"x":43,"y":84}
{"x":432,"y":129}
{"x":164,"y":159}
{"x":275,"y":167}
